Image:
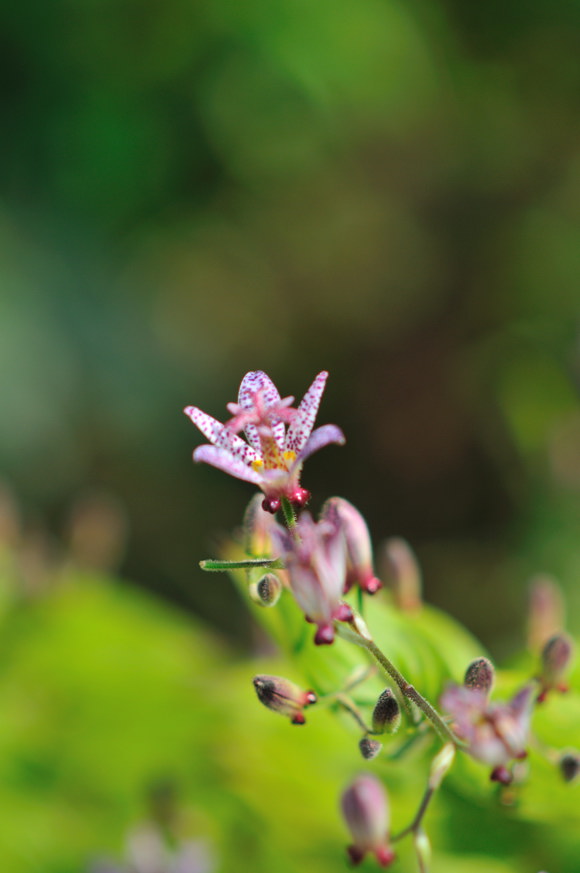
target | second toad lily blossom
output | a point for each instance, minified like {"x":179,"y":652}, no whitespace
{"x":279,"y":437}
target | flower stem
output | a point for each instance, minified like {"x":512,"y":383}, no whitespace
{"x":289,"y":515}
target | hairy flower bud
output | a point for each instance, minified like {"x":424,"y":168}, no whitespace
{"x":267,"y":590}
{"x":569,"y":766}
{"x":480,"y":674}
{"x":403,"y":574}
{"x":369,"y":748}
{"x":365,"y":808}
{"x":556,"y":657}
{"x":283,"y":696}
{"x":358,"y":543}
{"x":387,"y":713}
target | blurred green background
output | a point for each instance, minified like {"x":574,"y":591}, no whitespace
{"x":191,"y":190}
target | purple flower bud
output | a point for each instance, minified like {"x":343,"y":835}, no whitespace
{"x":358,"y":543}
{"x":387,"y":713}
{"x":283,"y":696}
{"x":365,"y":808}
{"x":267,"y":591}
{"x":545,"y":611}
{"x":316,"y":563}
{"x":403,"y":574}
{"x":369,"y":748}
{"x":480,"y":674}
{"x":556,"y":657}
{"x":570,"y":766}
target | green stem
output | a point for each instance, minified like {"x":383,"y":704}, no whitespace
{"x":347,"y":704}
{"x":416,"y":823}
{"x":269,"y":563}
{"x":407,"y":690}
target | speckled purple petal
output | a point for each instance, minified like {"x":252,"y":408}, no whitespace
{"x":223,"y":460}
{"x":301,"y":427}
{"x":252,"y":382}
{"x":322,"y":436}
{"x":221,"y":436}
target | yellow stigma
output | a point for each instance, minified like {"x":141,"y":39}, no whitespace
{"x":257,"y":465}
{"x":289,"y":457}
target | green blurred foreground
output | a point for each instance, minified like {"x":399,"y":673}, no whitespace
{"x":117,"y":711}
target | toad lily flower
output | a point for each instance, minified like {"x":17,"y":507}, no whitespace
{"x":495,"y":733}
{"x":279,"y":438}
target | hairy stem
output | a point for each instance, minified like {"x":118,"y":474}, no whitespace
{"x":407,"y":690}
{"x":217,"y":566}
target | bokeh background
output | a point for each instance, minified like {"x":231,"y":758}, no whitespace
{"x":190,"y":190}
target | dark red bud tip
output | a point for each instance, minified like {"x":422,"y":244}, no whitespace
{"x":298,"y":719}
{"x":385,"y":856}
{"x":310,"y":698}
{"x":344,"y":613}
{"x":542,"y":696}
{"x":373,"y":585}
{"x":324,"y":635}
{"x":355,"y":854}
{"x":300,"y":497}
{"x":521,"y":756}
{"x":501,"y":774}
{"x":271,"y":504}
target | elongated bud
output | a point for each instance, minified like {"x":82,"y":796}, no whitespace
{"x":545,"y":611}
{"x":369,"y":749}
{"x":365,"y":808}
{"x":387,"y":713}
{"x":440,"y":765}
{"x":283,"y":697}
{"x":358,"y":543}
{"x":258,"y":526}
{"x":569,"y":766}
{"x":556,"y":658}
{"x":403,"y":574}
{"x":480,"y":674}
{"x":267,"y":591}
{"x":423,"y":850}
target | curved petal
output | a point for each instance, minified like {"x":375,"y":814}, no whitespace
{"x":220,"y":435}
{"x":210,"y":427}
{"x":252,"y":383}
{"x":322,"y":436}
{"x":303,"y":422}
{"x":223,"y":460}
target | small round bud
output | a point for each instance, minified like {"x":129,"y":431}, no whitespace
{"x":387,"y":713}
{"x":283,"y":696}
{"x":369,"y":749}
{"x":267,"y":591}
{"x":569,"y":766}
{"x":480,"y":674}
{"x":502,"y":775}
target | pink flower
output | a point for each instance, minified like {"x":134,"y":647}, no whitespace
{"x":315,"y":558}
{"x":365,"y":807}
{"x":495,"y":733}
{"x":279,"y":437}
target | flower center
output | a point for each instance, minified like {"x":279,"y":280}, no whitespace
{"x":272,"y":458}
